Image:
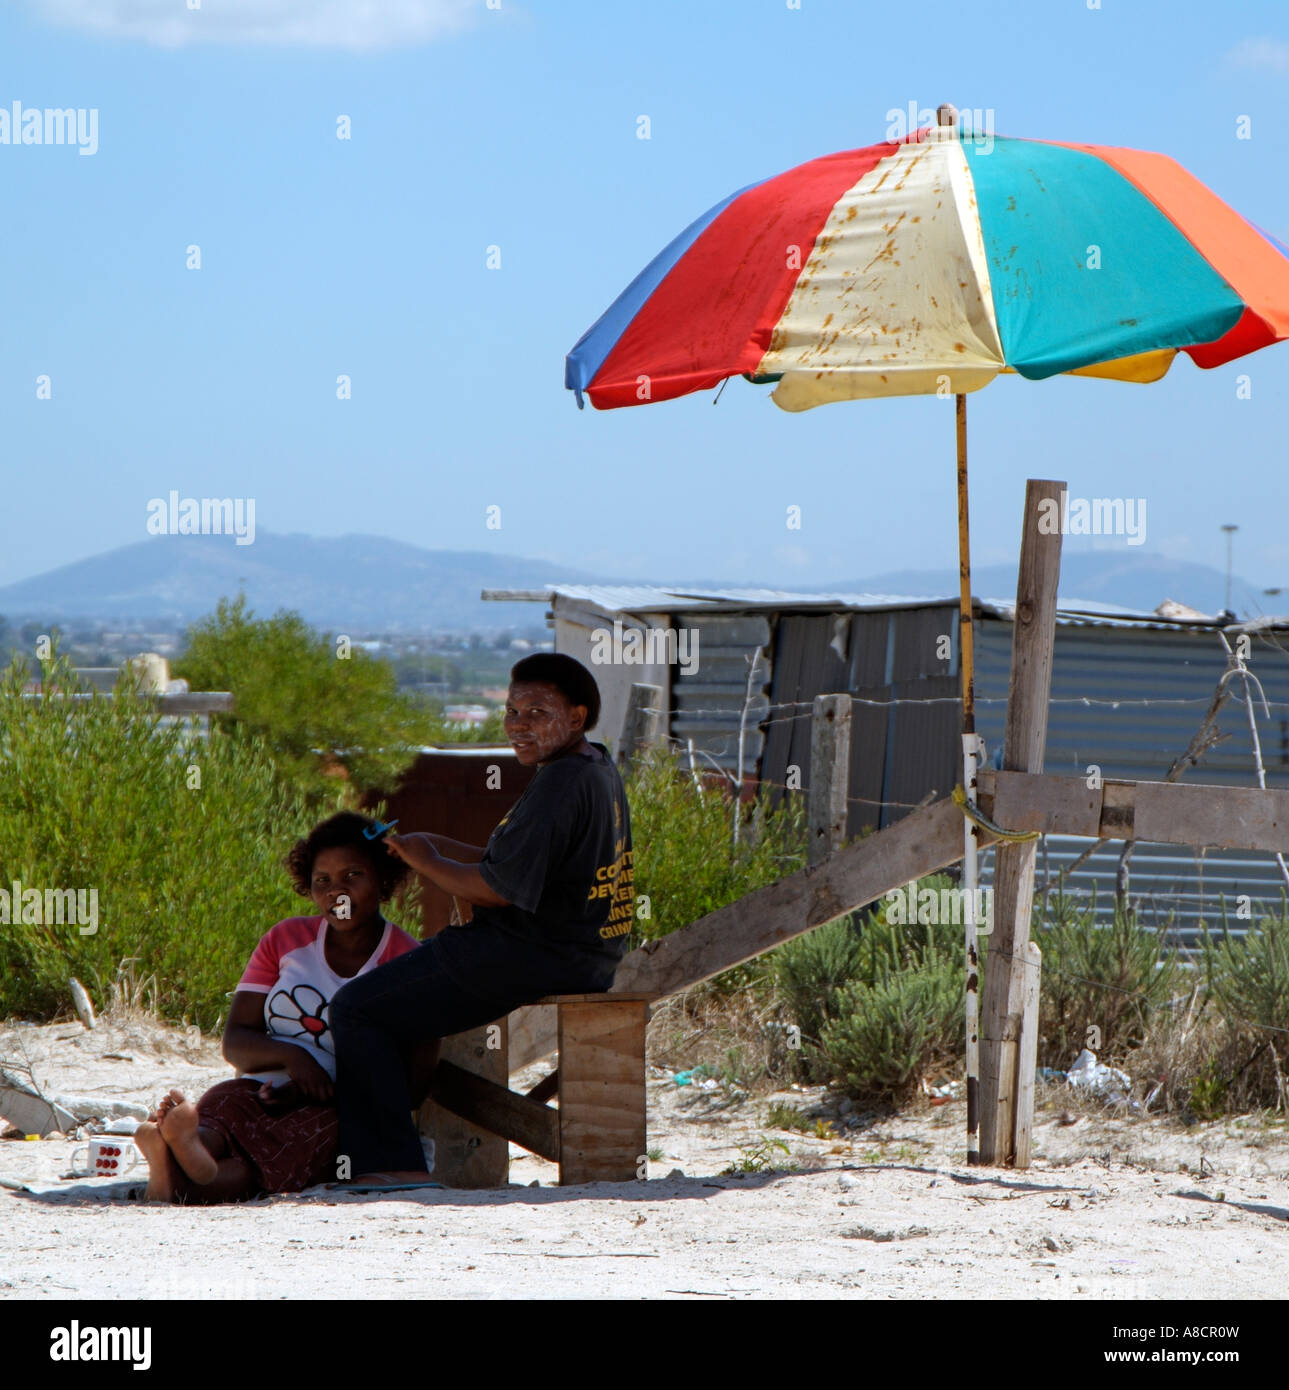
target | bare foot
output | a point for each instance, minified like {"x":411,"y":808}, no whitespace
{"x":179,"y":1130}
{"x":161,"y":1163}
{"x":166,"y":1105}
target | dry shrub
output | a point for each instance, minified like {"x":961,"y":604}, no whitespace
{"x":737,"y":1037}
{"x":1200,"y":1066}
{"x":1102,"y":985}
{"x":1177,"y":1048}
{"x":1221,"y":1052}
{"x":128,"y":995}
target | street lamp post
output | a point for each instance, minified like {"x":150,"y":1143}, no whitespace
{"x":1230,"y":531}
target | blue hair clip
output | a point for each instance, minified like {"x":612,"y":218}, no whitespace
{"x":380,"y":830}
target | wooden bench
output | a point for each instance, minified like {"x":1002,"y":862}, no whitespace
{"x":598,"y":1131}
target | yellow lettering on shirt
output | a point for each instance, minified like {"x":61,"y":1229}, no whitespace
{"x":615,"y":881}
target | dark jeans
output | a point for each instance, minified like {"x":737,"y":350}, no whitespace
{"x":378,"y":1019}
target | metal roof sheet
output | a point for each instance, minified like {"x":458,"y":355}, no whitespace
{"x":654,"y":598}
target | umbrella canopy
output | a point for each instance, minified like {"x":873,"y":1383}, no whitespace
{"x":933,"y":264}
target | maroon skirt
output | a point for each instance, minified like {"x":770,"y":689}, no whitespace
{"x":290,"y":1147}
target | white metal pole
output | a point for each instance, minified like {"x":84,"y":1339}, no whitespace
{"x":973,"y":749}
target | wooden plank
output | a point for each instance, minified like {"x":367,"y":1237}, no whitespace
{"x":641,"y":722}
{"x":546,"y":1089}
{"x":829,"y":775}
{"x":181,"y":702}
{"x":617,"y":996}
{"x":1117,"y":812}
{"x":923,"y":842}
{"x":532,"y":1035}
{"x":465,"y":1154}
{"x":1024,"y":743}
{"x":1056,"y":805}
{"x":1167,"y":812}
{"x":195,"y":702}
{"x":1215,"y":817}
{"x":499,"y":1112}
{"x":868,"y":728}
{"x":1027,"y":1056}
{"x":602,"y":1091}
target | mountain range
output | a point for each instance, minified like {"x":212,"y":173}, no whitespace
{"x":364,"y":583}
{"x":1127,"y":578}
{"x":372,"y":584}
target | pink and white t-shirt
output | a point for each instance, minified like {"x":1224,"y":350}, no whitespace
{"x":289,"y":967}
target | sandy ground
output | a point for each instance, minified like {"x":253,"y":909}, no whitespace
{"x":1123,"y":1208}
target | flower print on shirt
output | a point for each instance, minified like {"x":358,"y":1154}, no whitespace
{"x":301,"y":1012}
{"x":289,"y":968}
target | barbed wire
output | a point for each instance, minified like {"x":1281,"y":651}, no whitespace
{"x":753,"y":780}
{"x":807,"y":706}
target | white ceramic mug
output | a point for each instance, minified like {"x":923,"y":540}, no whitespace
{"x":105,"y":1155}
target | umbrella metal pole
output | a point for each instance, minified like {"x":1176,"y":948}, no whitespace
{"x":966,"y":648}
{"x":970,"y":755}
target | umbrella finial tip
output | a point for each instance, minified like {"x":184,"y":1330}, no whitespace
{"x":946,"y":114}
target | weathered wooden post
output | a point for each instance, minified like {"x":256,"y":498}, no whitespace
{"x":641,"y":723}
{"x":829,"y":775}
{"x":1008,"y":1044}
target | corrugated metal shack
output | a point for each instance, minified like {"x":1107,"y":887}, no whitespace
{"x":1129,"y":690}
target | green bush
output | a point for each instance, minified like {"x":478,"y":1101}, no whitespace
{"x":1112,"y":979}
{"x":809,"y":973}
{"x":1246,"y":1017}
{"x":685,"y":861}
{"x":101,"y":795}
{"x":886,"y":1036}
{"x":1249,"y":974}
{"x":878,"y":1008}
{"x":317,"y":714}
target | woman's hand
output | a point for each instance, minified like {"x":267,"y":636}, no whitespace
{"x":273,"y":1097}
{"x":415,"y":849}
{"x":310,"y":1079}
{"x":460,"y":880}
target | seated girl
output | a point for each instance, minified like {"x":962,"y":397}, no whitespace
{"x":273,"y":1128}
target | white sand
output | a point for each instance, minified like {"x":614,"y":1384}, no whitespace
{"x":1111,"y":1208}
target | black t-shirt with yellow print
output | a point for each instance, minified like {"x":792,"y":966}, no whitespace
{"x":563,"y":859}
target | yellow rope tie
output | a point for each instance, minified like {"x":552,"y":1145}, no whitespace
{"x":974,"y":813}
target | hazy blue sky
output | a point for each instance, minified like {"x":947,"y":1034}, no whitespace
{"x":517,"y":127}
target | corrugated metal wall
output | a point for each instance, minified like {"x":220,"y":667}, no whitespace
{"x":882,"y":658}
{"x":708,"y":704}
{"x":806,"y":664}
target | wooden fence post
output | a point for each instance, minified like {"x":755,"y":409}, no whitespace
{"x":1007,"y":1059}
{"x":641,"y":723}
{"x":829,"y":775}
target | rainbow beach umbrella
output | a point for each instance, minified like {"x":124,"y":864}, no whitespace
{"x":929,"y":266}
{"x":878,"y":272}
